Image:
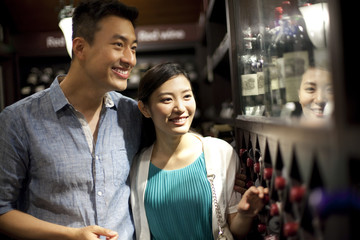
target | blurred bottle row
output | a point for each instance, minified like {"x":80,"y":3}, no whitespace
{"x":39,"y":78}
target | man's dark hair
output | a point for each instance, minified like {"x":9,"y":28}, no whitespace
{"x":89,"y":12}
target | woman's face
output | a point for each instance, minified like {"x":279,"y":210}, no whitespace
{"x":172,"y":106}
{"x":315,"y":92}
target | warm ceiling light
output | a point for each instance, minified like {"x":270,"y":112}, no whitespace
{"x":65,"y":25}
{"x":316,"y":18}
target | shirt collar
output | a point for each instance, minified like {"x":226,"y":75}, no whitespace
{"x":109,"y":103}
{"x":59,"y":100}
{"x":57,"y":96}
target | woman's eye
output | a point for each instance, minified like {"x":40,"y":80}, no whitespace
{"x":188,"y":96}
{"x":329,"y":90}
{"x":310,"y":90}
{"x":166,"y":100}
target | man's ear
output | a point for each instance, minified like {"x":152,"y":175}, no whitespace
{"x":78,"y":47}
{"x":144,"y":109}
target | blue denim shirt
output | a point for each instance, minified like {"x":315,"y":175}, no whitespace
{"x":48,"y":170}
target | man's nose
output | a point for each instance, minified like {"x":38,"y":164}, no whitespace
{"x":129,"y":57}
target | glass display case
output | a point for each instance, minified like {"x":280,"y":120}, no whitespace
{"x":291,"y":69}
{"x":283,"y":61}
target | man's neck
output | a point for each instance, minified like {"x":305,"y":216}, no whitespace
{"x":86,"y":100}
{"x":82,"y":96}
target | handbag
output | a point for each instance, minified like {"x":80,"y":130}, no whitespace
{"x":224,"y":231}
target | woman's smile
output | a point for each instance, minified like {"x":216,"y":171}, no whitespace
{"x":179,"y":120}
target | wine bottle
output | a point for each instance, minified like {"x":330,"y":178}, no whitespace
{"x":297,"y":54}
{"x":272,"y":35}
{"x":252,"y":79}
{"x":293,"y":50}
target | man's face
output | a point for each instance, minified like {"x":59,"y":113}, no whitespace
{"x":112,"y":55}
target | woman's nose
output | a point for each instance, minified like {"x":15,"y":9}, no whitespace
{"x":320,"y":97}
{"x":179,"y":106}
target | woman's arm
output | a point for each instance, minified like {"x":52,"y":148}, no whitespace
{"x":249,"y":206}
{"x":19,"y":225}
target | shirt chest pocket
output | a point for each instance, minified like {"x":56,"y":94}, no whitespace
{"x":121,"y":167}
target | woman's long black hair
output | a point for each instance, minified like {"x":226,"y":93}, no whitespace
{"x":151,"y":81}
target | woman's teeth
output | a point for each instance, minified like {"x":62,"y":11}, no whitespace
{"x":179,"y":120}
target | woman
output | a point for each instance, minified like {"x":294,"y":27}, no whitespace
{"x":171,"y":195}
{"x":316,"y":94}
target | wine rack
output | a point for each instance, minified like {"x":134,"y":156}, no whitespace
{"x":301,"y":203}
{"x":311,"y":170}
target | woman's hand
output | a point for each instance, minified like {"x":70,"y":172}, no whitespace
{"x":250,"y":205}
{"x":252,"y":201}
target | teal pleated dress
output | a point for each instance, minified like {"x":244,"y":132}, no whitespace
{"x":178,"y":202}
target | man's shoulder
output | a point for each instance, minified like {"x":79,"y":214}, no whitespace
{"x":24,"y":105}
{"x":119,"y":99}
{"x":125,"y":106}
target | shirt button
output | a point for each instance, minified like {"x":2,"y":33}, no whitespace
{"x":100,"y":193}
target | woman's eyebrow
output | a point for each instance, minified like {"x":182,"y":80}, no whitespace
{"x":170,"y":93}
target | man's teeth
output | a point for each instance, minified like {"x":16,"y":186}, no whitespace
{"x":121,"y":71}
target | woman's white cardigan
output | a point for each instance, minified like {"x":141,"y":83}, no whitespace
{"x":221,"y":160}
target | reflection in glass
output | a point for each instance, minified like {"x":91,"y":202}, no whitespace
{"x":252,"y":79}
{"x":289,"y":52}
{"x":316,"y":17}
{"x":279,"y":44}
{"x":316,"y":94}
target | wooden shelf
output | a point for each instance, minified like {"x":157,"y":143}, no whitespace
{"x":220,"y":51}
{"x":6,"y":50}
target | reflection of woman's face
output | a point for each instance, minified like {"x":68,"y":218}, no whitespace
{"x":315,"y":92}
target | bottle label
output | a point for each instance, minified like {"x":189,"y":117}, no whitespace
{"x":249,"y":83}
{"x":271,"y":71}
{"x":273,"y":75}
{"x":260,"y":82}
{"x":280,"y":72}
{"x":295,"y":64}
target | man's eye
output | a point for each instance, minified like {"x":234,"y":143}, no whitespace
{"x":118,"y":44}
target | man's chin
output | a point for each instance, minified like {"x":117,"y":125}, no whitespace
{"x":120,"y":88}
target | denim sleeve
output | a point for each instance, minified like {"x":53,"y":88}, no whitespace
{"x":13,"y":160}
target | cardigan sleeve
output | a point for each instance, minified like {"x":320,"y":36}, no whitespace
{"x":233,"y":196}
{"x":224,"y":162}
{"x":138,"y":175}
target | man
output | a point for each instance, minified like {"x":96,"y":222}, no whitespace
{"x":65,"y":153}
